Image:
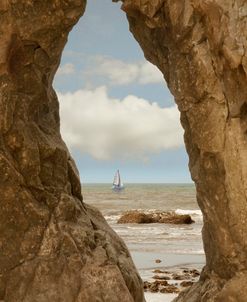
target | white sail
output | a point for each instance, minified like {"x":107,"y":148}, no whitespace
{"x":117,"y":180}
{"x":117,"y":184}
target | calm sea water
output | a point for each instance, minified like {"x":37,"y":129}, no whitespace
{"x":141,"y":196}
{"x":175,"y":245}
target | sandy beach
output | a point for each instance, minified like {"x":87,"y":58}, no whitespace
{"x":157,"y":297}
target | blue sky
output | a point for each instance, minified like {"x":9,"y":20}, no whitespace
{"x":116,"y":111}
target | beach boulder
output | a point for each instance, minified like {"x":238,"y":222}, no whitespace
{"x":155,"y":217}
{"x":175,"y":218}
{"x":135,"y":217}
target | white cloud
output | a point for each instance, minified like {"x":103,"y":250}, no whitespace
{"x":66,"y":69}
{"x":123,"y":73}
{"x":108,"y":128}
{"x":150,"y":74}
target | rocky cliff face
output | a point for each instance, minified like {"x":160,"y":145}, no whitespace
{"x":52,"y":246}
{"x":200,"y":46}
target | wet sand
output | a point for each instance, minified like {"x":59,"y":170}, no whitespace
{"x":157,"y":297}
{"x":146,"y":260}
{"x":173,"y":266}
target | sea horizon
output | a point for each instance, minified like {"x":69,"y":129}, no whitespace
{"x":140,"y":183}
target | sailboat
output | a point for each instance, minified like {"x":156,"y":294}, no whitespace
{"x":117,"y":184}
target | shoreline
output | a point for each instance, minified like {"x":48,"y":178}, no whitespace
{"x":146,"y":260}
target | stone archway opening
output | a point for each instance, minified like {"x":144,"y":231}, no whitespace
{"x":157,"y":198}
{"x":120,"y":97}
{"x":53,"y":246}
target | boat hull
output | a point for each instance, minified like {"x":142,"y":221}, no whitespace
{"x":117,"y":189}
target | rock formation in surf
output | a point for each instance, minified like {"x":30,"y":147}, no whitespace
{"x":200,"y":46}
{"x":135,"y":216}
{"x":52,"y":246}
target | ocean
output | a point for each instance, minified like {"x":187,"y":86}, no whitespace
{"x":176,"y":246}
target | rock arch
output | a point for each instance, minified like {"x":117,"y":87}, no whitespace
{"x":55,"y":248}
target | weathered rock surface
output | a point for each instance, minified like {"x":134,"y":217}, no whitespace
{"x":52,"y":246}
{"x":156,"y":217}
{"x":55,"y":248}
{"x":200,"y":46}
